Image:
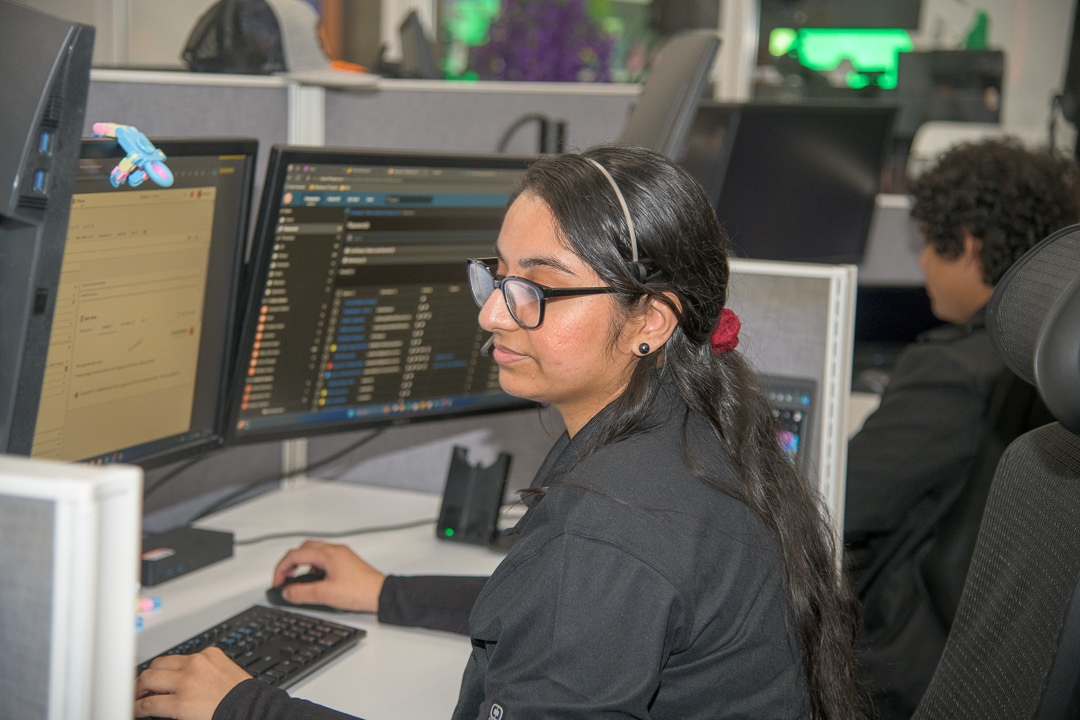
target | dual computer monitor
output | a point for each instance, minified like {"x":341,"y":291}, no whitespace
{"x":353,"y":310}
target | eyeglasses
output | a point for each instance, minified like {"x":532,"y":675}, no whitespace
{"x":524,"y":298}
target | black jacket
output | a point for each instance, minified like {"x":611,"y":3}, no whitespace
{"x":633,"y":590}
{"x":911,"y":458}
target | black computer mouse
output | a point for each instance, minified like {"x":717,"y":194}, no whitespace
{"x":273,"y":594}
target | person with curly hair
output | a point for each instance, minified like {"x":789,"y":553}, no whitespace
{"x":980,"y":208}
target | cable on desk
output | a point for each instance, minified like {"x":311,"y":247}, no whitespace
{"x":217,"y":505}
{"x":151,"y":489}
{"x":339,"y":534}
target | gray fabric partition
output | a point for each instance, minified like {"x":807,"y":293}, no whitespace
{"x":444,"y":116}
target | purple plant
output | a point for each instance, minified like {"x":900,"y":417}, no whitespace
{"x":544,"y":41}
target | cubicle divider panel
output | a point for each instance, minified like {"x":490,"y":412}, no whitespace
{"x":474,"y":117}
{"x":798,"y":321}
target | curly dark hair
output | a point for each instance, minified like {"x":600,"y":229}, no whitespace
{"x":685,"y":250}
{"x":1007,"y":196}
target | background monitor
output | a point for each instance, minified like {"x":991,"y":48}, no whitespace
{"x":950,"y":85}
{"x":144,"y":327}
{"x":841,"y":14}
{"x":359,"y":310}
{"x":69,"y":556}
{"x":43,"y":88}
{"x":1070,"y":93}
{"x":792,"y":182}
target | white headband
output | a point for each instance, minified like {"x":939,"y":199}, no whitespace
{"x":625,"y":209}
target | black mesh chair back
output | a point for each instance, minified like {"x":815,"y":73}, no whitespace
{"x":671,"y":94}
{"x":1014,"y":647}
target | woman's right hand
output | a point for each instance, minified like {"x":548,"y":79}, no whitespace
{"x":350,"y":583}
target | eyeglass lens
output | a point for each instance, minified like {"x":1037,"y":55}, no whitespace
{"x":522,"y":299}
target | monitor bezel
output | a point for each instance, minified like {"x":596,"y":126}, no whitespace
{"x":281,"y":156}
{"x":108,"y":148}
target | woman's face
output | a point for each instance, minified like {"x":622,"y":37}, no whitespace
{"x":571,"y":360}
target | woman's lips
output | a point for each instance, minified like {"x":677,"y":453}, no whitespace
{"x":503,"y":355}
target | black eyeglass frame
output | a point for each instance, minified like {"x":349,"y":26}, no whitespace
{"x":544,"y":292}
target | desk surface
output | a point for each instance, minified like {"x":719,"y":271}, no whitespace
{"x":394,"y":672}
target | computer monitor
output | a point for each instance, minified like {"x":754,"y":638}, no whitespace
{"x":840,"y":14}
{"x":359,"y":311}
{"x":43,"y":88}
{"x":792,"y":400}
{"x":1070,"y":92}
{"x":951,"y":85}
{"x":144,"y":328}
{"x":792,"y":182}
{"x":69,"y":558}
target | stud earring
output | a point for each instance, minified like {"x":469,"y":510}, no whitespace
{"x":644,"y":348}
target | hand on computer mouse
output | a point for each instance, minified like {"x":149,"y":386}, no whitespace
{"x":349,"y":582}
{"x":276,"y":594}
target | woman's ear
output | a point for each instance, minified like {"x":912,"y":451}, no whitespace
{"x":655,"y":324}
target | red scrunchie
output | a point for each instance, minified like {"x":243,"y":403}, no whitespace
{"x":726,"y":335}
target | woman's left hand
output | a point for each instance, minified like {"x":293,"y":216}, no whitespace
{"x":188,"y":687}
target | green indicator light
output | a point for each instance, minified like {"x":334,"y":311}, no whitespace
{"x":449,"y":532}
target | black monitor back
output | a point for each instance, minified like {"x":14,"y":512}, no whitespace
{"x":1070,"y":94}
{"x":792,"y":182}
{"x":43,"y":86}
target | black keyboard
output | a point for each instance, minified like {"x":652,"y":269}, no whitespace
{"x":275,"y":646}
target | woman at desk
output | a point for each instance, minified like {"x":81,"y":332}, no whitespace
{"x":672,"y":564}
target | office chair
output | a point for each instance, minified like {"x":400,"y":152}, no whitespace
{"x":669,"y":99}
{"x":910,"y":595}
{"x":1014,"y":648}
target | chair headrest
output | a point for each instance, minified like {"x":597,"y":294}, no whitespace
{"x":1033,"y":319}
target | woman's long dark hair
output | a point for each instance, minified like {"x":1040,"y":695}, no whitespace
{"x":677,"y":231}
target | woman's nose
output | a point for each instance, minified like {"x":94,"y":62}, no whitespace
{"x":495,"y":315}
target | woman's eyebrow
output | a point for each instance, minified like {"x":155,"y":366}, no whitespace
{"x":538,"y":261}
{"x":546,"y":261}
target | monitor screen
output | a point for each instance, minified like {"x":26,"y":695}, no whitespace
{"x":359,"y":311}
{"x":792,"y":182}
{"x":792,"y":401}
{"x":139,"y":351}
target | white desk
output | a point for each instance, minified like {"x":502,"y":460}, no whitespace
{"x":394,"y":672}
